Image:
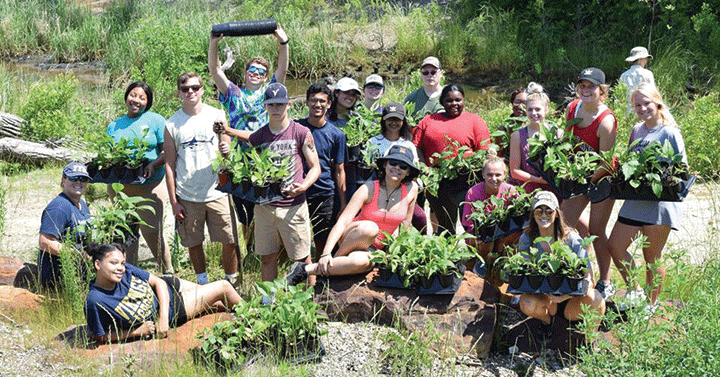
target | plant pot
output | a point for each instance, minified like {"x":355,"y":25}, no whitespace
{"x":535,"y":281}
{"x":119,"y":172}
{"x":275,"y":189}
{"x":555,"y":281}
{"x":488,"y":231}
{"x":426,"y":281}
{"x":245,"y":186}
{"x":573,"y":282}
{"x":245,"y":28}
{"x":261,"y":191}
{"x":515,"y":281}
{"x":105,"y":173}
{"x":505,"y":225}
{"x":364,"y":172}
{"x":354,"y":153}
{"x":132,"y":173}
{"x":385,"y":272}
{"x":447,"y":279}
{"x":519,"y":220}
{"x":600,"y":191}
{"x":223,"y":179}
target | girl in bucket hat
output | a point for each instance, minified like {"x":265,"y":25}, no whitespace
{"x":376,"y":207}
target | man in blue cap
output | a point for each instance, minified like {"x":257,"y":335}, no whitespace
{"x":59,"y":219}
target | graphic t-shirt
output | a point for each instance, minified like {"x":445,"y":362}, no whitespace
{"x":196,"y":145}
{"x":131,"y":303}
{"x":288,"y":142}
{"x":61,"y":217}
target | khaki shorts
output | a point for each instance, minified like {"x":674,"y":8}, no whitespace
{"x":283,"y":226}
{"x":217,"y":215}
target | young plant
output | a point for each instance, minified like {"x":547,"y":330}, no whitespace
{"x":363,"y":125}
{"x":117,"y":220}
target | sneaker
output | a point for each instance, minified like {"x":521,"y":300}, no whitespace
{"x":297,"y":274}
{"x":632,"y":299}
{"x":605,"y":290}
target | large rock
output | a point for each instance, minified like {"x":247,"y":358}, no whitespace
{"x":17,"y":300}
{"x":16,"y":273}
{"x":147,"y":353}
{"x":465,"y":320}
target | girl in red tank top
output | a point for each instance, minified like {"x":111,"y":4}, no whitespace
{"x":376,"y":207}
{"x":597,"y":130}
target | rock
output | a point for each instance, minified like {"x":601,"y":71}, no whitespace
{"x":146,"y":353}
{"x":9,"y":267}
{"x":18,"y":274}
{"x":465,"y":320}
{"x":14,"y":300}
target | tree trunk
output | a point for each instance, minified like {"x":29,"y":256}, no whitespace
{"x":10,"y":125}
{"x":25,"y":151}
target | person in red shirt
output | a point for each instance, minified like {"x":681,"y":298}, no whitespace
{"x":437,"y":131}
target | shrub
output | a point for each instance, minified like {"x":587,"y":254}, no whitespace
{"x":47,"y":113}
{"x":702,"y":143}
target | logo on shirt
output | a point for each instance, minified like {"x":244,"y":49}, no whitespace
{"x":195,"y":142}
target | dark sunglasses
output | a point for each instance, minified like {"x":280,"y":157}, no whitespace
{"x":548,"y":211}
{"x":78,"y":179}
{"x":258,"y":70}
{"x":374,"y":86}
{"x":186,"y":88}
{"x":429,"y":73}
{"x":399,"y":164}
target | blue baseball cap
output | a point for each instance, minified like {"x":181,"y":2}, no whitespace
{"x":276,"y":93}
{"x":75,"y":169}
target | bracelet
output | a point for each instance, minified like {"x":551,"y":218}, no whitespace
{"x":286,"y":42}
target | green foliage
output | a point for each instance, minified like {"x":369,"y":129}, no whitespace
{"x":456,"y":160}
{"x":363,"y":125}
{"x":3,"y":212}
{"x":407,"y":353}
{"x":130,"y":152}
{"x":414,"y":43}
{"x":261,"y":166}
{"x":47,"y":112}
{"x":702,"y":146}
{"x":117,"y":220}
{"x":498,"y":209}
{"x":655,"y":165}
{"x":73,"y":269}
{"x":285,"y":328}
{"x":560,"y":260}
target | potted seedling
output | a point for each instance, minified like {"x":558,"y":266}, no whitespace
{"x":363,"y":125}
{"x":368,"y":159}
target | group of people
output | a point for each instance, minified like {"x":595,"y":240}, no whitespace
{"x":323,"y":202}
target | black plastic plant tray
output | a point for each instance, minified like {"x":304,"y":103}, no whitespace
{"x":118,"y":174}
{"x":480,"y":269}
{"x":437,"y":289}
{"x":567,"y":189}
{"x":545,"y":288}
{"x":250,"y":194}
{"x":393,"y":282}
{"x":623,"y":190}
{"x":309,"y":355}
{"x":514,"y":227}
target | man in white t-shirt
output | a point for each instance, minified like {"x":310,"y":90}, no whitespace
{"x":190,"y":146}
{"x":637,"y":73}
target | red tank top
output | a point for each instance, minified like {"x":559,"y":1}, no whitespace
{"x":386,"y":220}
{"x":588,"y":134}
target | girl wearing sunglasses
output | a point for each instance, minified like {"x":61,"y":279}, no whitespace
{"x":547,"y":221}
{"x":376,"y":207}
{"x":59,"y":220}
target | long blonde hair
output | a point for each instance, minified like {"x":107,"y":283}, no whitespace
{"x":651,"y":91}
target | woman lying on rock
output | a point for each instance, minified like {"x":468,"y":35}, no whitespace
{"x":383,"y":204}
{"x":547,"y":221}
{"x":126,"y":302}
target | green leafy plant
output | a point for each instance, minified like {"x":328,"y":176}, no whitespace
{"x":560,"y":260}
{"x":117,"y":220}
{"x":363,"y":125}
{"x":457,"y":160}
{"x":124,"y":152}
{"x":657,"y":165}
{"x":289,"y":326}
{"x":261,"y":166}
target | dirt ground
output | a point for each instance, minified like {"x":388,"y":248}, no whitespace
{"x":28,"y":194}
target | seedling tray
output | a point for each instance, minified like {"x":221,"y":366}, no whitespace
{"x":118,"y":174}
{"x":235,"y":189}
{"x":677,"y":193}
{"x":512,"y":226}
{"x":564,"y":288}
{"x":393,"y":282}
{"x":436,"y":288}
{"x":566,"y":188}
{"x":480,"y":269}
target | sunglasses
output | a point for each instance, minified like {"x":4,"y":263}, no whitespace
{"x":374,"y":86}
{"x":548,"y":211}
{"x":78,"y":179}
{"x":399,"y":164}
{"x":258,"y":70}
{"x":429,"y":73}
{"x":187,"y":88}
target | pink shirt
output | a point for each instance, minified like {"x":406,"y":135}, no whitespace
{"x":478,"y":193}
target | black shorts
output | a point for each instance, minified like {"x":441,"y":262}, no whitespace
{"x":177,"y":306}
{"x":631,"y":222}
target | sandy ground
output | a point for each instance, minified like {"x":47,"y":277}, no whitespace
{"x":29,"y":193}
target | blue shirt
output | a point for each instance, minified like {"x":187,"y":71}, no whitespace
{"x":330,"y":143}
{"x":130,"y":128}
{"x":131,"y":303}
{"x":61,"y":217}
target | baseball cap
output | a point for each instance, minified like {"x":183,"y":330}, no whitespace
{"x":431,"y":60}
{"x":545,"y":198}
{"x":276,"y":93}
{"x":347,"y":84}
{"x":594,"y":75}
{"x":393,"y":110}
{"x":75,"y":169}
{"x":374,"y":79}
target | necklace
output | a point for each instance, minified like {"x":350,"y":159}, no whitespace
{"x":389,"y":197}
